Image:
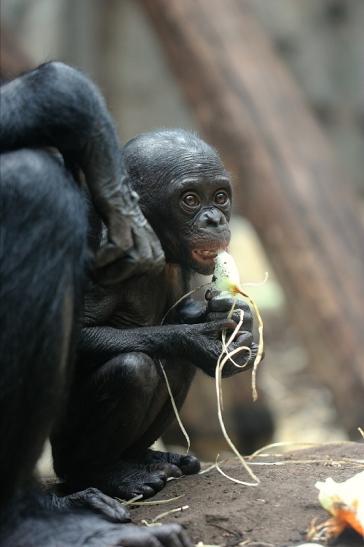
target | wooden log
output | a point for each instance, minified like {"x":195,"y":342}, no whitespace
{"x":287,"y":180}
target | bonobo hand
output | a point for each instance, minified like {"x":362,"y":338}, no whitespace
{"x":203,"y":345}
{"x":218,"y":308}
{"x":167,"y":535}
{"x":132,"y":247}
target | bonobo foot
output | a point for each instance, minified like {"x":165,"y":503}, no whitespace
{"x":94,"y":500}
{"x":125,"y":480}
{"x":140,"y":475}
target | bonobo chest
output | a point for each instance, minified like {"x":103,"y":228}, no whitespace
{"x":140,"y":301}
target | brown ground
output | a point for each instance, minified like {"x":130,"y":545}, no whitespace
{"x":274,"y":514}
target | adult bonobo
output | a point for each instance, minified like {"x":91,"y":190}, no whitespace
{"x":119,"y":403}
{"x":43,"y":261}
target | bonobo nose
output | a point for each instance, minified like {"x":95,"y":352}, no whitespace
{"x":212,"y":217}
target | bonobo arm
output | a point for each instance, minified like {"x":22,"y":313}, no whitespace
{"x":56,"y":105}
{"x":200,"y":343}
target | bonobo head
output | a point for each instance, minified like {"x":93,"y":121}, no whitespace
{"x":185,"y":194}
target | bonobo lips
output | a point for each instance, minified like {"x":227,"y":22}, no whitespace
{"x":207,"y":254}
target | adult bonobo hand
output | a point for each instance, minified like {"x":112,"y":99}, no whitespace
{"x":66,"y":111}
{"x":131,"y":246}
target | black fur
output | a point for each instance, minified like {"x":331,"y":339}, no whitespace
{"x":119,"y":403}
{"x":43,"y":256}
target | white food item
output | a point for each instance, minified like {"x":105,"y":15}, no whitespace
{"x":226,"y":273}
{"x":349,"y":493}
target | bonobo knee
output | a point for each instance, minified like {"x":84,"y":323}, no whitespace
{"x":135,"y":370}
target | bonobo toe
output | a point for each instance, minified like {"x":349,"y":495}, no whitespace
{"x":146,"y":490}
{"x":189,"y":465}
{"x":157,"y":481}
{"x":172,"y":470}
{"x":168,"y":469}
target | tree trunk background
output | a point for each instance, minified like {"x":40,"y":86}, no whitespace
{"x":287,"y":181}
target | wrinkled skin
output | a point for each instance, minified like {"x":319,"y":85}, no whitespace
{"x":43,"y":260}
{"x":119,"y":403}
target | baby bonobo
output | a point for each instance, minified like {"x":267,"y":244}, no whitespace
{"x":119,"y":403}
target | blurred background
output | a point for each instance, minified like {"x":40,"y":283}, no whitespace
{"x":278,"y":87}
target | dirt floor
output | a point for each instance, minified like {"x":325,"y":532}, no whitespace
{"x":277,"y":513}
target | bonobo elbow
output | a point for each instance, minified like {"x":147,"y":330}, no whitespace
{"x":69,"y":79}
{"x":74,"y":92}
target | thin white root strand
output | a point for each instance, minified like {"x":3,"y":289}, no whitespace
{"x":292,"y":443}
{"x":155,"y":520}
{"x":260,"y":351}
{"x":210,"y":468}
{"x":166,"y":513}
{"x":338,"y":463}
{"x":153,"y":502}
{"x":173,"y":402}
{"x":225,"y":345}
{"x":218,"y":376}
{"x":192,"y":291}
{"x":131,"y":501}
{"x":238,"y":481}
{"x":175,"y":409}
{"x":225,"y":356}
{"x":257,"y":284}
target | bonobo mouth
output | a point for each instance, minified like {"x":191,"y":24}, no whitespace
{"x":204,"y":256}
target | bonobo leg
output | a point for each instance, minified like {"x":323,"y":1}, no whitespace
{"x":42,"y":261}
{"x":42,"y":248}
{"x":114,"y":415}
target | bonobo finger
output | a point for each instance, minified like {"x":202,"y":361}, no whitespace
{"x":96,"y":500}
{"x":159,"y":259}
{"x":142,"y":246}
{"x":113,"y":273}
{"x":245,"y":338}
{"x":220,"y":304}
{"x":216,"y":327}
{"x":220,"y":316}
{"x":147,"y":249}
{"x":248,"y":316}
{"x":107,"y":254}
{"x":211,"y":293}
{"x":173,"y":535}
{"x":127,"y":266}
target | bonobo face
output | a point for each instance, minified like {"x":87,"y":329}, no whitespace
{"x":202,"y":207}
{"x":184,"y":193}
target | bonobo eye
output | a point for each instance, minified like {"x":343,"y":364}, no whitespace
{"x":221,"y":197}
{"x":191,"y":200}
